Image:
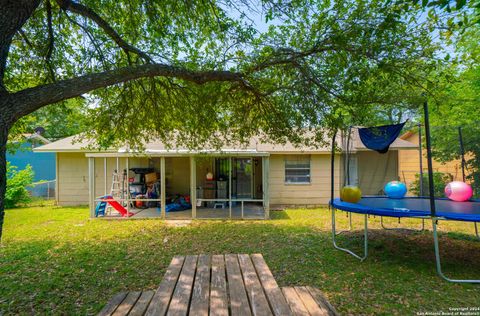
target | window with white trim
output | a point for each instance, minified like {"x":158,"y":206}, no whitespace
{"x":297,"y":169}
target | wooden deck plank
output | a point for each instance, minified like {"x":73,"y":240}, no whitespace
{"x":142,"y":303}
{"x":322,"y":301}
{"x":113,"y":304}
{"x":218,"y":289}
{"x":220,"y":285}
{"x":312,"y":306}
{"x":201,"y":287}
{"x":258,"y":300}
{"x":161,"y":299}
{"x":296,"y":304}
{"x":124,"y":308}
{"x":183,"y":291}
{"x":239,"y":304}
{"x":277,"y":301}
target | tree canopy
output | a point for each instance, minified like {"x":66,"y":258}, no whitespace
{"x":318,"y":59}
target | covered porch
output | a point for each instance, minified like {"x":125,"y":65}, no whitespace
{"x":226,"y":185}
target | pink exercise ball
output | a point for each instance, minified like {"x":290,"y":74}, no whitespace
{"x":458,"y":191}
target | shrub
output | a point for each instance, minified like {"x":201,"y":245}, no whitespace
{"x":440,"y":180}
{"x":17,"y":183}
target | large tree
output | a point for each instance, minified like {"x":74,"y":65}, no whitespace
{"x":456,"y":108}
{"x":184,"y":71}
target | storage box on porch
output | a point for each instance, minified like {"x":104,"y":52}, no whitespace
{"x":151,"y":177}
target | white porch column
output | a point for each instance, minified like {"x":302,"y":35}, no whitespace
{"x":162,"y":188}
{"x":193,"y":186}
{"x":265,"y":180}
{"x":128,"y":186}
{"x":91,"y":185}
{"x":57,"y":195}
{"x":105,"y":175}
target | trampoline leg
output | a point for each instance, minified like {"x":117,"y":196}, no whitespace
{"x":437,"y":258}
{"x":350,"y":225}
{"x":476,"y":230}
{"x":365,"y":243}
{"x":409,"y":229}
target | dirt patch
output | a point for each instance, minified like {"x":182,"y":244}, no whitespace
{"x":178,"y":223}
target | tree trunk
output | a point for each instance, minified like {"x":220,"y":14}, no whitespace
{"x":3,"y":172}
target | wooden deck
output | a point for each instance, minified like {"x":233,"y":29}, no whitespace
{"x":220,"y":285}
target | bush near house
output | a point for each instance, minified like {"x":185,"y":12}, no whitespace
{"x":17,"y":183}
{"x":440,"y":180}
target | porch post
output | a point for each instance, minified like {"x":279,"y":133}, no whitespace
{"x":57,"y":196}
{"x":128,"y":187}
{"x":162,"y":187}
{"x":193,"y":186}
{"x":105,"y":175}
{"x":266,"y":191}
{"x":230,"y":186}
{"x":91,"y":185}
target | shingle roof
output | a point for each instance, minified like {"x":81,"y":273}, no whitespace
{"x":73,"y":144}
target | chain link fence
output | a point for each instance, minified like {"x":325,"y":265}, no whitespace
{"x":43,"y":189}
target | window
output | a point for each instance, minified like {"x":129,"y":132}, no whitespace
{"x":297,"y":169}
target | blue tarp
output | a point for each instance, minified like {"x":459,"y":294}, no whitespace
{"x":379,"y":138}
{"x":468,"y":211}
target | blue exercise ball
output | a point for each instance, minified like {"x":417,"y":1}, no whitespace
{"x":395,"y":189}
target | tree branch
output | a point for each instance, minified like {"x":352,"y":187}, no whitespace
{"x":28,"y":100}
{"x":85,"y":11}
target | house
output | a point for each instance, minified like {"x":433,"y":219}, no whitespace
{"x":43,"y":164}
{"x":409,"y":162}
{"x":233,"y":182}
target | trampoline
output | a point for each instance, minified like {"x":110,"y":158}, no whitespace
{"x":413,"y":207}
{"x":424,"y":208}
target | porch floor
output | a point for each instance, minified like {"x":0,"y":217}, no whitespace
{"x":250,"y":211}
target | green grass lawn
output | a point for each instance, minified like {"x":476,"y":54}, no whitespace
{"x":56,"y":260}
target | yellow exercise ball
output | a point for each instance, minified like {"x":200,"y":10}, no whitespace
{"x":351,"y":194}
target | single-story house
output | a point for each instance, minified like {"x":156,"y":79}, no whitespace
{"x":43,"y":164}
{"x":234,"y":182}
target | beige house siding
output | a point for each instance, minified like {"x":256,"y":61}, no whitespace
{"x":317,"y":192}
{"x":72,"y":179}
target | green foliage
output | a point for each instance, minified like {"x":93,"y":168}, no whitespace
{"x":457,"y":106}
{"x":17,"y":183}
{"x":440,"y":180}
{"x":316,"y":65}
{"x":59,"y":120}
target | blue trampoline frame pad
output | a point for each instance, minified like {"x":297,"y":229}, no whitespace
{"x":468,"y":211}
